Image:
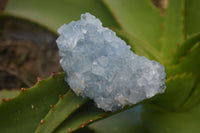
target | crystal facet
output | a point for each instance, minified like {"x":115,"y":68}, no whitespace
{"x":100,"y":65}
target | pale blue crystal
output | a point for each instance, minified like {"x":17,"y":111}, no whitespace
{"x":100,"y":65}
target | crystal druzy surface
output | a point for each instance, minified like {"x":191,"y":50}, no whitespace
{"x":101,"y":66}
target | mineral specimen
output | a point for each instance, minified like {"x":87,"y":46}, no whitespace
{"x":100,"y":65}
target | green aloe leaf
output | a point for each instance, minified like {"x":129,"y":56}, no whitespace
{"x":182,"y":20}
{"x":194,"y":97}
{"x":172,"y":122}
{"x":173,"y":28}
{"x":23,"y":113}
{"x":128,"y":121}
{"x":192,"y":17}
{"x":178,"y":89}
{"x":190,"y":63}
{"x":87,"y":114}
{"x":139,"y":18}
{"x":52,"y":14}
{"x":186,"y":47}
{"x":140,"y":47}
{"x":149,"y":33}
{"x":6,"y":94}
{"x":65,"y":106}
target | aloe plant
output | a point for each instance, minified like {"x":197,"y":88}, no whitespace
{"x":172,"y":39}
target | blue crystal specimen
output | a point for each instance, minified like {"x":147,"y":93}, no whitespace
{"x":101,"y":66}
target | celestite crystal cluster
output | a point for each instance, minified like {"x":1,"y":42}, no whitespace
{"x":100,"y":65}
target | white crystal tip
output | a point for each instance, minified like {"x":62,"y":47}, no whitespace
{"x":100,"y":65}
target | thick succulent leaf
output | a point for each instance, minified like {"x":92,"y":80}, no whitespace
{"x":140,"y":22}
{"x":85,"y":115}
{"x":173,"y":28}
{"x":188,"y":63}
{"x":174,"y":122}
{"x":84,"y":130}
{"x":191,"y":62}
{"x":40,"y":99}
{"x":192,"y":17}
{"x":23,"y":113}
{"x":194,"y":97}
{"x":139,"y":18}
{"x":128,"y":121}
{"x":182,"y":19}
{"x":88,"y":114}
{"x":185,"y":47}
{"x":58,"y":113}
{"x":138,"y":46}
{"x":6,"y":94}
{"x":178,"y":89}
{"x":53,"y":14}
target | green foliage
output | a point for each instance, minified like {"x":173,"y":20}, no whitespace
{"x":24,"y":112}
{"x":172,"y":39}
{"x":138,"y":18}
{"x":60,"y":111}
{"x":125,"y":122}
{"x":8,"y":93}
{"x":52,"y":14}
{"x":172,"y":122}
{"x":177,"y":94}
{"x":82,"y":117}
{"x":172,"y":28}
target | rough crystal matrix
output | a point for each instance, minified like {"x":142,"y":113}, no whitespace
{"x":100,"y":65}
